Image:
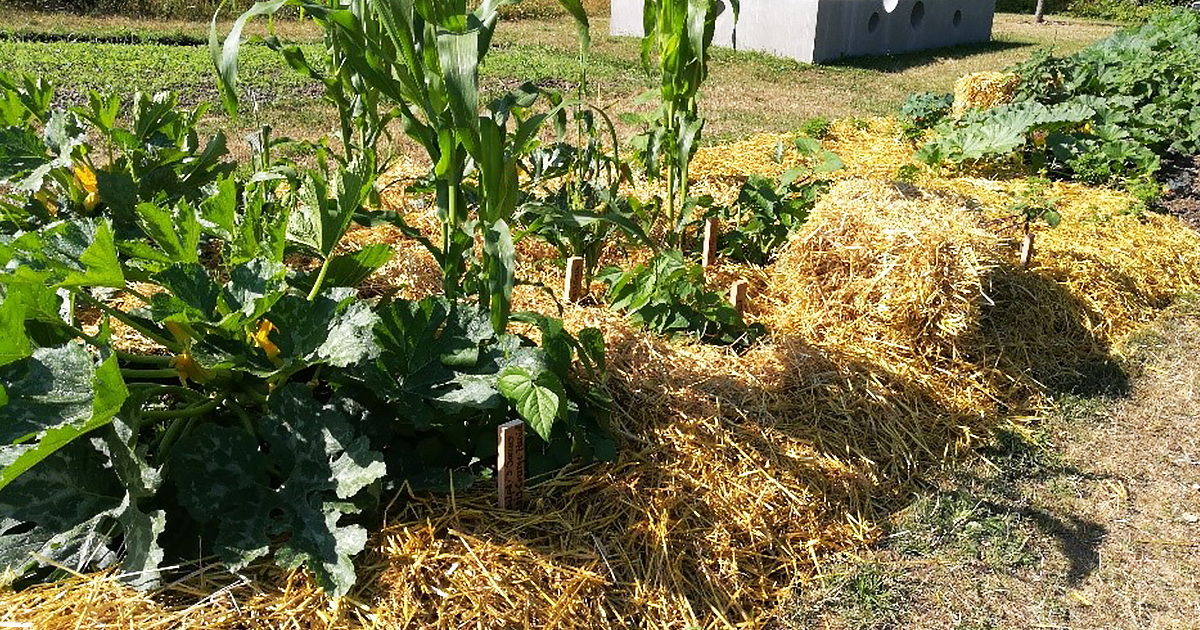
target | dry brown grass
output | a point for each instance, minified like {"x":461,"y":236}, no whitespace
{"x":1088,"y":523}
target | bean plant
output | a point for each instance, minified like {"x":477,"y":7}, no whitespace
{"x":766,"y":211}
{"x":667,"y":296}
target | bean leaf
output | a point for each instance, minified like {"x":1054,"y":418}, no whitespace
{"x":539,"y":398}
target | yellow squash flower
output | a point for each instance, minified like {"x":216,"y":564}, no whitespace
{"x":262,"y":341}
{"x":87,"y":181}
{"x":189,"y":369}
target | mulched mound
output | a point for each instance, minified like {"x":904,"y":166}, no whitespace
{"x":904,"y":332}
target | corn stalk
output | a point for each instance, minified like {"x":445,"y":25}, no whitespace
{"x":678,"y":34}
{"x":418,"y":61}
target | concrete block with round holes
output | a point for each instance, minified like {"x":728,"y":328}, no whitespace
{"x":816,"y":31}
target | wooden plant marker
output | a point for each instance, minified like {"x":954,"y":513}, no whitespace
{"x":1027,"y":250}
{"x":573,"y":283}
{"x":738,"y":295}
{"x":712,"y":234}
{"x":510,"y":469}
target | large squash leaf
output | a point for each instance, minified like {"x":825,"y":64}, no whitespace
{"x":71,"y":509}
{"x":78,"y":253}
{"x":432,"y":359}
{"x":53,"y":397}
{"x":324,"y":464}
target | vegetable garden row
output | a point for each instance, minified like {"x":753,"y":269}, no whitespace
{"x":270,"y":408}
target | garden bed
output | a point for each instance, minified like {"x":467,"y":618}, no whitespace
{"x":903,"y":332}
{"x":200,"y":361}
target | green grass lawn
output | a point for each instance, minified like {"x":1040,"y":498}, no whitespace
{"x":746,"y":93}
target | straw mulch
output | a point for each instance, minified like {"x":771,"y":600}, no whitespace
{"x":903,"y":332}
{"x":983,"y":90}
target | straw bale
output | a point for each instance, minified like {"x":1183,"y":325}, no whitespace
{"x":892,"y":274}
{"x":983,"y":90}
{"x":903,"y":331}
{"x":1119,"y":266}
{"x":753,"y":156}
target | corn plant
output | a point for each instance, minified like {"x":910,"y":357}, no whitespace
{"x":418,"y":61}
{"x":678,"y":34}
{"x":583,"y":208}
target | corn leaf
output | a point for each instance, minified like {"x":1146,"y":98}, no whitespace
{"x":458,"y":54}
{"x":225,"y":55}
{"x":500,"y":266}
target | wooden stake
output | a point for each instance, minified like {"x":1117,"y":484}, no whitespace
{"x":737,"y":295}
{"x":1027,"y":250}
{"x":510,"y":468}
{"x":573,"y":283}
{"x":711,"y":235}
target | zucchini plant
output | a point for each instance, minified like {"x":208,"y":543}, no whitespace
{"x":1104,"y":115}
{"x":99,"y":443}
{"x":52,"y":170}
{"x":269,"y":408}
{"x":923,"y":111}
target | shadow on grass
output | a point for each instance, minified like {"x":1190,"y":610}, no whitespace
{"x":907,"y":61}
{"x":999,"y":496}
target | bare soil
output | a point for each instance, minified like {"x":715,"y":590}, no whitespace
{"x":1181,"y":179}
{"x":1090,"y":522}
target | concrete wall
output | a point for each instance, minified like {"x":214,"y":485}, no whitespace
{"x":816,"y":31}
